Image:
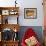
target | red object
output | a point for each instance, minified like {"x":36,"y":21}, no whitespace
{"x":29,"y":33}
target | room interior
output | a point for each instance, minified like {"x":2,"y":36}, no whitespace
{"x":17,"y":16}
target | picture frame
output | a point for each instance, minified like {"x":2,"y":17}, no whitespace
{"x":30,"y":13}
{"x":0,"y":19}
{"x":0,"y":36}
{"x":5,"y":12}
{"x":13,"y":12}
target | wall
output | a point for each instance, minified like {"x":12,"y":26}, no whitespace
{"x":32,"y":4}
{"x":27,"y":4}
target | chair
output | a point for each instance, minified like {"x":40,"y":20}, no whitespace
{"x":28,"y":34}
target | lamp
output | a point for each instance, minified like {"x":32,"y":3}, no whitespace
{"x":15,"y":3}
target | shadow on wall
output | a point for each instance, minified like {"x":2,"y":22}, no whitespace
{"x":37,"y":29}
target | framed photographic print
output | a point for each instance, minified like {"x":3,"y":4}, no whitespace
{"x":5,"y":12}
{"x":30,"y":13}
{"x":0,"y":36}
{"x":13,"y":12}
{"x":0,"y":19}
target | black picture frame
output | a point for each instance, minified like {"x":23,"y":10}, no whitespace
{"x":30,"y":13}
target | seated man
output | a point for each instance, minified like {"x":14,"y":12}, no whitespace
{"x":30,"y":38}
